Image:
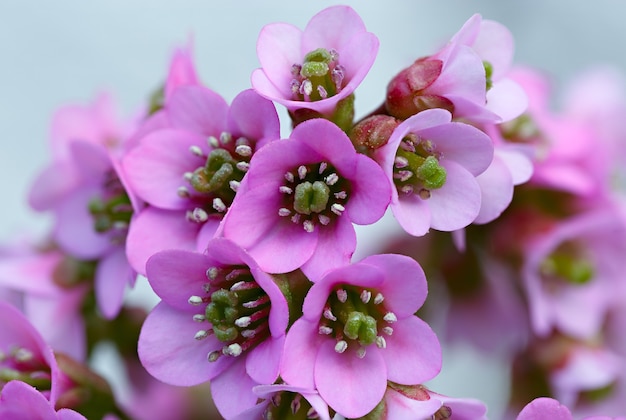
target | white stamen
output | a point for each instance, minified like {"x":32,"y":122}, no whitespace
{"x":212,"y":140}
{"x":302,"y":171}
{"x":183,"y":192}
{"x":401,"y":162}
{"x":312,"y":414}
{"x":283,"y":212}
{"x":341,"y":195}
{"x":381,"y":343}
{"x":322,"y":91}
{"x":243,"y":150}
{"x":325,"y":330}
{"x":295,"y":404}
{"x":225,"y":137}
{"x":388,"y":330}
{"x":196,"y":151}
{"x":195,"y":300}
{"x":325,"y":220}
{"x":285,"y":189}
{"x":213,"y":356}
{"x":201,"y":334}
{"x":308,"y":226}
{"x":342,"y":295}
{"x":337,"y":208}
{"x":328,"y":314}
{"x":360,"y":353}
{"x":243,"y":322}
{"x":424,"y":194}
{"x":323,"y":166}
{"x":378,"y":299}
{"x":403,"y":175}
{"x":198,"y":215}
{"x":234,"y":185}
{"x":295,"y":86}
{"x":248,"y":333}
{"x":390,"y":317}
{"x":306,"y":88}
{"x":238,"y":286}
{"x":187,"y":176}
{"x":407,"y":189}
{"x":22,"y":355}
{"x":341,"y":346}
{"x":296,"y":218}
{"x":206,"y":287}
{"x":232,"y":350}
{"x":212,"y":273}
{"x":289,"y":177}
{"x":219,"y":205}
{"x":243,"y":166}
{"x":199,"y":318}
{"x":331,"y":179}
{"x":366,"y":295}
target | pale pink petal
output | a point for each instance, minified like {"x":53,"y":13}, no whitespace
{"x":350,"y":385}
{"x":20,"y":401}
{"x":278,"y":48}
{"x":413,"y":214}
{"x":517,"y":161}
{"x":232,"y":390}
{"x":113,"y":275}
{"x":543,"y":409}
{"x":198,"y":110}
{"x":400,"y":407}
{"x":496,"y":187}
{"x":263,"y":362}
{"x":253,"y":117}
{"x":368,"y":201}
{"x":496,"y":45}
{"x":52,"y":185}
{"x":300,"y":352}
{"x":332,"y":28}
{"x":507,"y":99}
{"x":413,"y":353}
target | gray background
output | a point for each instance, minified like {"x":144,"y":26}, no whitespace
{"x":53,"y":53}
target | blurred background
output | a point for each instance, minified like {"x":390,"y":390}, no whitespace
{"x":62,"y":52}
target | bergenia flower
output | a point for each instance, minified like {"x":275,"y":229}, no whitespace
{"x":221,"y":319}
{"x":19,"y":400}
{"x":358,"y":330}
{"x":317,"y":67}
{"x":544,"y":408}
{"x":85,"y":189}
{"x":189,"y":172}
{"x":300,"y":198}
{"x":432,"y":165}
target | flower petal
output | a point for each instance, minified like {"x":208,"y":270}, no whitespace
{"x":113,"y":275}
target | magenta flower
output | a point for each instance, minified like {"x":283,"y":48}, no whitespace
{"x":221,"y":319}
{"x":317,"y":67}
{"x":19,"y":400}
{"x":187,"y":181}
{"x":358,"y":330}
{"x":300,"y":198}
{"x":543,"y":409}
{"x":432,"y":165}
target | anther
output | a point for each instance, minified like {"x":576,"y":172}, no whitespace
{"x":213,"y":356}
{"x":312,"y":414}
{"x":199,"y":318}
{"x":296,"y":218}
{"x":407,"y":189}
{"x":388,"y":330}
{"x":198,"y":215}
{"x":248,"y":333}
{"x":196,"y":151}
{"x":275,"y":400}
{"x":201,"y":334}
{"x":381,"y":343}
{"x":225,"y":137}
{"x":302,"y":171}
{"x":195,"y":300}
{"x":295,"y":86}
{"x":232,"y":350}
{"x":337,"y":208}
{"x":342,"y":295}
{"x":341,"y":346}
{"x":366,"y":295}
{"x":187,"y":176}
{"x":289,"y":177}
{"x":295,"y":404}
{"x":325,"y":330}
{"x":183,"y":192}
{"x":378,"y":299}
{"x":219,"y":205}
{"x":328,"y":314}
{"x":401,"y":162}
{"x":322,"y":92}
{"x":243,"y":322}
{"x":424,"y":194}
{"x":234,"y":185}
{"x":22,"y":355}
{"x":341,"y":195}
{"x":308,"y":226}
{"x":331,"y":179}
{"x":212,"y":273}
{"x":403,"y":175}
{"x":325,"y":220}
{"x":285,"y":189}
{"x":243,"y":150}
{"x":243,"y":166}
{"x":284,"y":212}
{"x":360,"y":353}
{"x":213,"y":142}
{"x":322,"y":168}
{"x":390,"y":317}
{"x":306,"y":88}
{"x":255,"y":303}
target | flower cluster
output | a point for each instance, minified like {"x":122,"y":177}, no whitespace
{"x":248,"y":240}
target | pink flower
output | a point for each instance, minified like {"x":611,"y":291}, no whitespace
{"x":432,"y":165}
{"x":187,"y":181}
{"x":221,"y":319}
{"x":19,"y":400}
{"x":545,"y":409}
{"x":317,"y":67}
{"x":358,"y":330}
{"x":300,"y":198}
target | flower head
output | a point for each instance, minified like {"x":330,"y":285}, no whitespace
{"x":358,"y":331}
{"x":300,"y":198}
{"x":317,"y":67}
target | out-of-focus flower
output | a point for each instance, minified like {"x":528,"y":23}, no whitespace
{"x":296,"y":207}
{"x":358,"y":330}
{"x":318,"y":67}
{"x":19,"y":400}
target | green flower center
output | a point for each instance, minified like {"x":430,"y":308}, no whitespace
{"x":112,"y":211}
{"x":568,"y":263}
{"x":19,"y":363}
{"x":320,"y":76}
{"x":416,"y":167}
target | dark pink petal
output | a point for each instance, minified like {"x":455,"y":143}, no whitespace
{"x":330,"y":143}
{"x":198,"y":110}
{"x":155,"y":168}
{"x":457,"y":203}
{"x":301,"y":346}
{"x":413,"y":214}
{"x":169,"y":352}
{"x":232,"y":390}
{"x":278,"y":48}
{"x":544,"y":408}
{"x":335,"y":246}
{"x":462,"y":75}
{"x":181,"y":71}
{"x":263,"y":362}
{"x":371,"y":193}
{"x":405,"y":286}
{"x":253,"y":117}
{"x":19,"y":400}
{"x":413,"y":353}
{"x":207,"y":232}
{"x":113,"y":275}
{"x":496,"y":187}
{"x":68,"y":414}
{"x":154,"y":230}
{"x":350,"y":385}
{"x":176,"y":275}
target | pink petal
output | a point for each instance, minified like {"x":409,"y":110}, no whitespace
{"x":368,"y":201}
{"x":113,"y":275}
{"x":263,"y":362}
{"x":496,"y":186}
{"x":413,"y":353}
{"x":253,"y":117}
{"x":154,"y":230}
{"x":198,"y":110}
{"x":52,"y":185}
{"x":300,"y":352}
{"x":19,"y":400}
{"x":496,"y":45}
{"x":544,"y":408}
{"x":278,"y":48}
{"x":169,"y":352}
{"x":232,"y":390}
{"x":350,"y":385}
{"x":413,"y":214}
{"x":181,"y":71}
{"x":400,"y":407}
{"x":507,"y":99}
{"x":155,"y":168}
{"x":332,"y":28}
